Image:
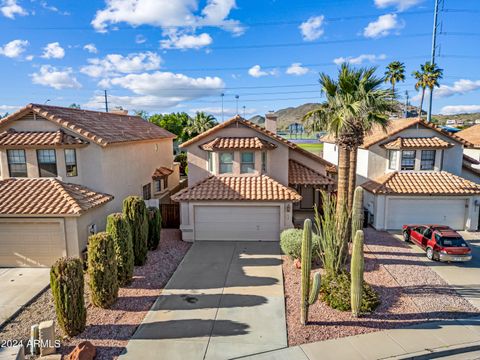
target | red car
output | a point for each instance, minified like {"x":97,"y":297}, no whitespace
{"x":440,"y":242}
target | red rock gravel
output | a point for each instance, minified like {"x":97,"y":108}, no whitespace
{"x":410,"y":292}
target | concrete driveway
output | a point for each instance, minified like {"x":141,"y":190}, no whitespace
{"x":225,"y":300}
{"x":19,"y":286}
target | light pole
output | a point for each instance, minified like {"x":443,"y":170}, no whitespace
{"x":236,"y":98}
{"x":222,"y":95}
{"x":244,"y":107}
{"x":434,"y":48}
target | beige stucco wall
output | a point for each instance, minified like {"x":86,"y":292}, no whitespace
{"x":307,"y":161}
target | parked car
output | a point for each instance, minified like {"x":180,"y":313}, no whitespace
{"x":439,"y":242}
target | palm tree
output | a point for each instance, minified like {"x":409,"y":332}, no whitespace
{"x":199,"y":123}
{"x":395,"y":73}
{"x":427,"y":77}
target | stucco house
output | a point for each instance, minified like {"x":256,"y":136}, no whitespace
{"x":248,"y":183}
{"x":471,"y":153}
{"x":412,"y":173}
{"x":63,"y":170}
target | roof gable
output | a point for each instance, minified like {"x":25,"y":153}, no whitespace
{"x":472,"y":135}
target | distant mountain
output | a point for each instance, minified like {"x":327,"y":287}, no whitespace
{"x":467,"y":119}
{"x":287,"y":116}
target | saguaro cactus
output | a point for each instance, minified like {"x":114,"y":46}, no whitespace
{"x":356,"y":269}
{"x":309,"y":295}
{"x":357,"y":211}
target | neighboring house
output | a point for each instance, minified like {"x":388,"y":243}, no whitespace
{"x":412,"y":173}
{"x":63,"y":170}
{"x":248,"y":183}
{"x":471,"y":153}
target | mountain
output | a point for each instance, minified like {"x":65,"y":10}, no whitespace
{"x":287,"y":116}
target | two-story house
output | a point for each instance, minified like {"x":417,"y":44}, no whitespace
{"x":412,"y":173}
{"x":471,"y":153}
{"x":63,"y":170}
{"x":248,"y":183}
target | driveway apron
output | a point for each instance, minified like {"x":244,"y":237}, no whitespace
{"x":225,"y":300}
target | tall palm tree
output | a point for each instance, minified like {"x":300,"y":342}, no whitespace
{"x":201,"y":122}
{"x":395,"y":73}
{"x":427,"y":77}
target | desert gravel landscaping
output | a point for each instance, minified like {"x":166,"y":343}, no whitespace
{"x":410,"y":293}
{"x":110,"y":329}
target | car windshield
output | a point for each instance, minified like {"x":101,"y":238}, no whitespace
{"x":451,"y":241}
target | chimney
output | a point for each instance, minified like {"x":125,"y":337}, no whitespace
{"x":271,"y":122}
{"x":119,"y":110}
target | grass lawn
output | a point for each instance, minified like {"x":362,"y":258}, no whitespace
{"x":316,"y":148}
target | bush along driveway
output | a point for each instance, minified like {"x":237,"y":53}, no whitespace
{"x":225,"y":300}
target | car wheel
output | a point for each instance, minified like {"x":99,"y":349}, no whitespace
{"x":430,"y":253}
{"x":406,"y":236}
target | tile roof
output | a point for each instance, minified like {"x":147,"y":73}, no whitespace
{"x":472,"y":135}
{"x":299,"y":174}
{"x":12,"y":137}
{"x":161,"y":172}
{"x":468,"y":163}
{"x":417,"y":143}
{"x":421,"y":183}
{"x":99,"y":127}
{"x":238,"y":188}
{"x":220,"y":143}
{"x":44,"y":196}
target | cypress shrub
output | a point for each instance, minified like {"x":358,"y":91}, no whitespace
{"x":135,"y":213}
{"x":66,"y":282}
{"x":154,"y":227}
{"x":119,"y":230}
{"x":102,"y":270}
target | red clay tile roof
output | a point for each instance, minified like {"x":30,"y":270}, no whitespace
{"x":472,"y":135}
{"x":299,"y":174}
{"x":237,"y":188}
{"x":161,"y":172}
{"x":99,"y":127}
{"x":238,"y":143}
{"x":468,"y":163}
{"x":417,"y":143}
{"x":43,"y":196}
{"x":38,"y":138}
{"x":421,"y":183}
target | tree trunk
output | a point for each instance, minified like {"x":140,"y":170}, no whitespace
{"x":352,"y":177}
{"x":421,"y":103}
{"x":342,"y":184}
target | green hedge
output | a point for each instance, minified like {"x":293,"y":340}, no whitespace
{"x":135,"y":213}
{"x":154,"y":227}
{"x":291,"y":243}
{"x":119,"y":230}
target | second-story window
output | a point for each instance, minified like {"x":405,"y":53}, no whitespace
{"x":392,"y":159}
{"x":17,"y":163}
{"x":226,"y":163}
{"x":428,"y":160}
{"x":47,"y":163}
{"x":71,"y":162}
{"x":408,"y":159}
{"x":264,"y":161}
{"x":247,"y":162}
{"x":210,"y":161}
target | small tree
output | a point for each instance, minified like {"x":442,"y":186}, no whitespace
{"x":119,"y":230}
{"x":154,"y":227}
{"x":135,"y":213}
{"x":66,"y":282}
{"x":102,"y":270}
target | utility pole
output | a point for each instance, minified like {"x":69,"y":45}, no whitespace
{"x":106,"y":101}
{"x":434,"y":48}
{"x":222,"y":95}
{"x":244,"y":107}
{"x":406,"y":105}
{"x":236,"y":98}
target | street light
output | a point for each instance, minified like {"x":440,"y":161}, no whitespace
{"x":237,"y":97}
{"x":222,"y":95}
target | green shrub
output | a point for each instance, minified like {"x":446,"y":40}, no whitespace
{"x":291,"y":243}
{"x":182,"y":159}
{"x":119,"y":230}
{"x":335,"y":291}
{"x":67,"y":284}
{"x":102,"y":270}
{"x":154,"y":227}
{"x":135,"y":213}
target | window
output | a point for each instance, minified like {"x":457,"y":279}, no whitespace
{"x":264,"y":161}
{"x":71,"y":162}
{"x":428,"y":160}
{"x":226,"y":163}
{"x":47,"y":163}
{"x":160,"y":184}
{"x":147,"y":192}
{"x":247,"y":162}
{"x":210,"y":161}
{"x":408,"y":159}
{"x":392,"y":159}
{"x":17,"y":163}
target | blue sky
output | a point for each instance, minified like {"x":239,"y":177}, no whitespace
{"x":181,"y":55}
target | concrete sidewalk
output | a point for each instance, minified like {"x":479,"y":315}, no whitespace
{"x":455,"y":339}
{"x":225,"y":300}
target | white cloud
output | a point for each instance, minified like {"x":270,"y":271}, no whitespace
{"x":10,"y":8}
{"x":53,"y":51}
{"x":91,"y":48}
{"x":297,"y":69}
{"x":14,"y":48}
{"x":383,"y":26}
{"x":358,"y":60}
{"x":185,"y":41}
{"x":9,"y":108}
{"x":312,"y":29}
{"x":256,"y":71}
{"x":115,"y":64}
{"x":459,"y":87}
{"x":140,"y":39}
{"x":52,"y":8}
{"x":459,"y":109}
{"x":401,"y":5}
{"x":57,"y":79}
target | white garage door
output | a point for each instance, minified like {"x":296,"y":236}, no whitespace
{"x":30,"y":243}
{"x":445,"y":211}
{"x":243,"y":223}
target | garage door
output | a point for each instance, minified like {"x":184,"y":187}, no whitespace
{"x":449,"y":212}
{"x":243,"y":223}
{"x":27,"y":243}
